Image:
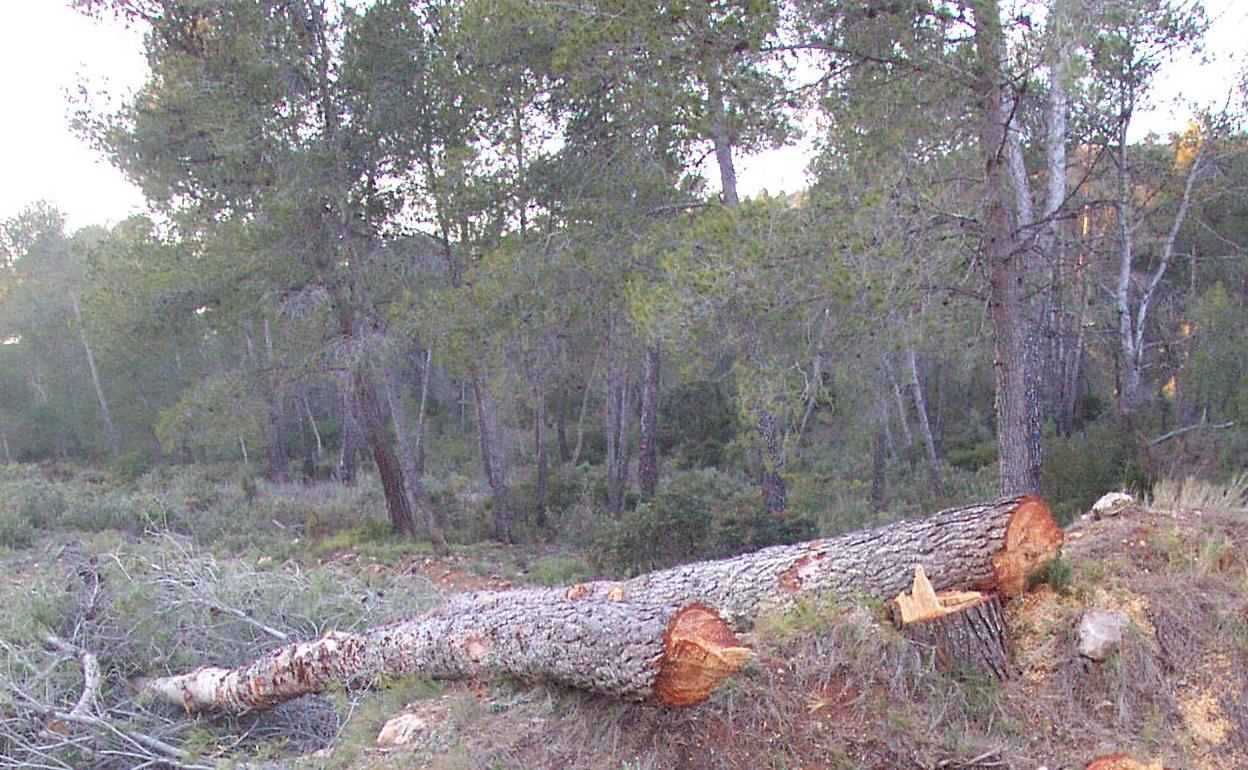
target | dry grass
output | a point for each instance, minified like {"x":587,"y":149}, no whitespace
{"x":1197,"y":494}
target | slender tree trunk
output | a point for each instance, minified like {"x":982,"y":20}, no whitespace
{"x":611,"y":414}
{"x":541,"y":486}
{"x":721,"y":140}
{"x":412,"y":473}
{"x":561,"y":424}
{"x":648,"y":449}
{"x":1016,"y":403}
{"x":580,"y":419}
{"x":274,"y":453}
{"x":903,"y":419}
{"x":879,"y":477}
{"x":925,"y":428}
{"x":350,"y":432}
{"x":316,"y":432}
{"x":423,"y":415}
{"x":8,"y":453}
{"x":110,"y":432}
{"x":492,"y":462}
{"x":306,"y":444}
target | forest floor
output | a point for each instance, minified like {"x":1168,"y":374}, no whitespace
{"x":833,"y":685}
{"x":836,"y":687}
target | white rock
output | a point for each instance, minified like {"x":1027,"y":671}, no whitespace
{"x":401,"y":730}
{"x":1112,"y":504}
{"x":1100,"y":632}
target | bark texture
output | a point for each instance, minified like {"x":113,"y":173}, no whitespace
{"x":666,"y":636}
{"x":673,"y":655}
{"x":993,"y":546}
{"x":965,"y":630}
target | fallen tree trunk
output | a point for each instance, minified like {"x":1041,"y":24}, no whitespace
{"x":673,"y":655}
{"x":664,"y":636}
{"x":990,"y":547}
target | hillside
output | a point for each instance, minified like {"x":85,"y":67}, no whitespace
{"x":832,"y":685}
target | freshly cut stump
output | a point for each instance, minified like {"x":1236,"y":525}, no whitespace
{"x":965,"y":629}
{"x":1121,"y":762}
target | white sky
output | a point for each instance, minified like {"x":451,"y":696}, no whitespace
{"x":46,"y":50}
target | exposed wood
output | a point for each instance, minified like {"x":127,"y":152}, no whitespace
{"x":965,"y":630}
{"x":673,"y":655}
{"x":1121,"y":762}
{"x":666,"y":635}
{"x":987,"y":547}
{"x":1189,"y":428}
{"x":110,"y":432}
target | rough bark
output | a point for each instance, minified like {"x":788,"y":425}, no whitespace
{"x":964,"y":630}
{"x":1017,"y":400}
{"x":411,"y":468}
{"x":995,"y":546}
{"x":114,"y":446}
{"x":389,"y":469}
{"x":492,"y":462}
{"x":925,"y":426}
{"x":674,"y":655}
{"x":665,"y":636}
{"x":648,"y":449}
{"x":350,"y":437}
{"x":775,"y":491}
{"x":541,"y":486}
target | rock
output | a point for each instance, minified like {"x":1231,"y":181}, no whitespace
{"x":1100,"y":632}
{"x":1112,"y":504}
{"x":401,"y":730}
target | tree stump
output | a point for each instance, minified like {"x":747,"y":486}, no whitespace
{"x":965,"y":629}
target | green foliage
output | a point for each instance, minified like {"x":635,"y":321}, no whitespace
{"x":695,"y":515}
{"x":1080,"y":468}
{"x":1216,"y":373}
{"x":560,"y":570}
{"x":699,"y":420}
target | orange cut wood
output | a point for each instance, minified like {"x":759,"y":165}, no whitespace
{"x":1032,"y":538}
{"x":700,"y":652}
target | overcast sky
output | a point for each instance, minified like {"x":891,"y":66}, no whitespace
{"x":46,"y":50}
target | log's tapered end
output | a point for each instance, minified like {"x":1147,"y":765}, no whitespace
{"x":699,"y":652}
{"x":1032,"y":539}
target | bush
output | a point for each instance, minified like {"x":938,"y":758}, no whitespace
{"x":699,"y":420}
{"x":1080,"y":468}
{"x":695,"y":515}
{"x":28,"y":505}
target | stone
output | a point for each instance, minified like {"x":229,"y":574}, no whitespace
{"x":401,"y":730}
{"x":1112,"y":504}
{"x":1100,"y":632}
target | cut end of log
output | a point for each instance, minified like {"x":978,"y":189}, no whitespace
{"x":923,"y":603}
{"x":1121,"y":762}
{"x":1032,"y":539}
{"x":699,"y":652}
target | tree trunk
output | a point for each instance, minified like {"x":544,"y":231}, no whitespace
{"x":348,"y":448}
{"x":492,"y":462}
{"x":925,"y":428}
{"x":879,"y":492}
{"x":388,"y":468}
{"x":907,"y":436}
{"x":275,"y":456}
{"x":422,"y":416}
{"x":612,"y":420}
{"x":541,"y":486}
{"x":110,"y":432}
{"x":316,"y":432}
{"x":775,"y":492}
{"x":664,"y":636}
{"x":1014,"y":367}
{"x":561,"y":425}
{"x":411,"y":471}
{"x":648,"y":448}
{"x":307,"y":446}
{"x":8,"y":453}
{"x":673,"y":655}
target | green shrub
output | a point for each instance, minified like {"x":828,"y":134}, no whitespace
{"x":130,"y":466}
{"x":1080,"y":468}
{"x":560,"y":570}
{"x":695,"y":515}
{"x":15,"y":530}
{"x":972,"y":458}
{"x":699,"y":420}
